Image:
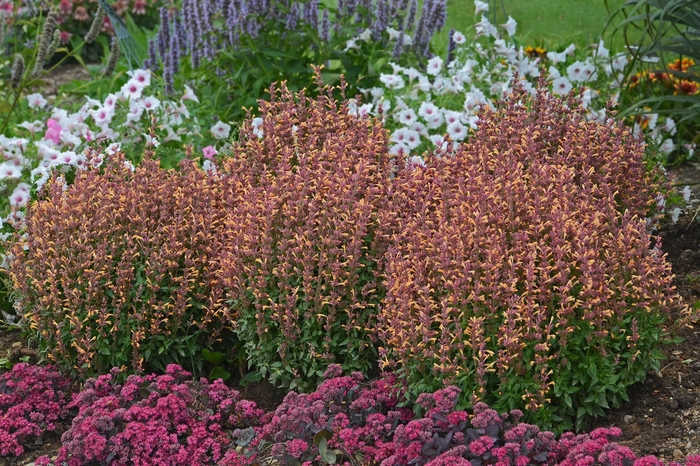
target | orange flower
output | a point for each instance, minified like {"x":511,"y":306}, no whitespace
{"x":681,"y":65}
{"x":686,"y":87}
{"x":534,"y":52}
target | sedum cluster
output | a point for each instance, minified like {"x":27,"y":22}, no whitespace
{"x":171,"y":419}
{"x":33,"y":400}
{"x":162,"y":420}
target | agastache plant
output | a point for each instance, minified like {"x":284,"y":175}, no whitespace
{"x":139,"y":284}
{"x":521,"y":259}
{"x":301,"y":264}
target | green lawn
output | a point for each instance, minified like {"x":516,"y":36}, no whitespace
{"x":547,"y":23}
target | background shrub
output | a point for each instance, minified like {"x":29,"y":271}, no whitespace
{"x":114,"y":270}
{"x":304,"y":189}
{"x":520,"y":269}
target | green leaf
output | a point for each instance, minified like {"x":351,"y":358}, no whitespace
{"x":251,"y":377}
{"x":321,"y":436}
{"x":213,"y":357}
{"x":219,"y":373}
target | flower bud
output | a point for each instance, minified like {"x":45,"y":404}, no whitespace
{"x":44,"y":42}
{"x":96,"y":26}
{"x":113,"y":58}
{"x":17,"y":71}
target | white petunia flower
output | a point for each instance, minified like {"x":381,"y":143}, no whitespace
{"x":365,"y":110}
{"x":669,"y":126}
{"x":485,"y":28}
{"x":20,"y":196}
{"x":406,"y":117}
{"x":601,"y":51}
{"x":576,"y":72}
{"x":412,"y":139}
{"x":458,"y":38}
{"x":619,"y":62}
{"x":140,"y":77}
{"x":9,"y":170}
{"x":686,"y":194}
{"x":189,"y":94}
{"x":667,"y":146}
{"x":434,"y":66}
{"x":419,"y":128}
{"x":393,"y":33}
{"x":561,"y":86}
{"x":150,"y":103}
{"x":32,"y":127}
{"x":150,"y":140}
{"x":220,"y":130}
{"x":428,"y":110}
{"x":209,"y":167}
{"x":36,"y":101}
{"x":67,"y":158}
{"x":451,"y":116}
{"x":481,"y":7}
{"x":457,"y":131}
{"x":398,"y":149}
{"x":416,"y":160}
{"x":132,"y":90}
{"x":376,"y":92}
{"x":510,"y":26}
{"x":675,"y":213}
{"x":351,"y":44}
{"x":103,"y":116}
{"x":439,"y":141}
{"x":412,"y":73}
{"x":392,"y":81}
{"x":365,"y":35}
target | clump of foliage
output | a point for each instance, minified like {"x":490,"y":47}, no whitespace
{"x":304,"y":188}
{"x":520,"y":268}
{"x":115,"y":269}
{"x":33,"y":400}
{"x":664,"y":76}
{"x":232,"y":51}
{"x":166,"y":419}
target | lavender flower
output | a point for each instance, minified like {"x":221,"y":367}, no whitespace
{"x":451,"y":46}
{"x":170,"y":67}
{"x":398,"y":47}
{"x":325,"y":33}
{"x":164,"y":32}
{"x":151,"y":62}
{"x":413,"y":9}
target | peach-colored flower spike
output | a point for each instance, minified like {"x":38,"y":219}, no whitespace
{"x":533,"y":230}
{"x":113,"y":263}
{"x":305,"y":187}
